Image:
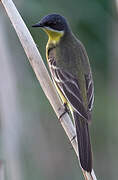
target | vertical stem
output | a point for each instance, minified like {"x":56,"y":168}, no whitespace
{"x":2,"y":173}
{"x":10,"y":114}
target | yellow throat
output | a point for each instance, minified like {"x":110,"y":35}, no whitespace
{"x":54,"y":36}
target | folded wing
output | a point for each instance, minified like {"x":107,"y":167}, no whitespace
{"x":69,"y":86}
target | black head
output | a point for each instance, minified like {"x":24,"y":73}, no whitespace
{"x":54,"y":22}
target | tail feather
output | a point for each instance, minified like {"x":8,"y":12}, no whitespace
{"x":84,"y":145}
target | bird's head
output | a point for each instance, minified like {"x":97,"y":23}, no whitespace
{"x":54,"y":25}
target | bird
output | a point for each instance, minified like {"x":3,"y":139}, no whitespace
{"x":72,"y":76}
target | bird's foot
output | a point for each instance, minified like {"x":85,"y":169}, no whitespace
{"x":66,"y":107}
{"x":73,"y":138}
{"x":66,"y":110}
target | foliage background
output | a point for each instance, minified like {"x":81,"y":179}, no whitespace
{"x":45,"y":152}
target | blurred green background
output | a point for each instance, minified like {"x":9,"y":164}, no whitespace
{"x":43,"y":149}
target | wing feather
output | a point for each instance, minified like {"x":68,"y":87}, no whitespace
{"x":69,"y":86}
{"x":90,"y":91}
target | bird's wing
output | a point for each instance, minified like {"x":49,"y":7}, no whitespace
{"x":68,"y":84}
{"x":88,"y":76}
{"x":90,"y":91}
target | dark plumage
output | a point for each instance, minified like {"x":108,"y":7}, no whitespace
{"x":71,"y":72}
{"x":54,"y":21}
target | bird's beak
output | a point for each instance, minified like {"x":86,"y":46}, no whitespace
{"x":38,"y":25}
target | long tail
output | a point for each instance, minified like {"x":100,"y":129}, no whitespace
{"x":84,"y":145}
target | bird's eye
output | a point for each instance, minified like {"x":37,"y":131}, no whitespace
{"x":52,"y":23}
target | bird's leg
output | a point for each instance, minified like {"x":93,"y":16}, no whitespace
{"x":66,"y":107}
{"x":73,"y":138}
{"x":66,"y":110}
